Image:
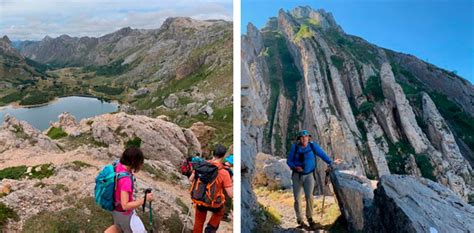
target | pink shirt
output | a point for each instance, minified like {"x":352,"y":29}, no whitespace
{"x":123,"y":184}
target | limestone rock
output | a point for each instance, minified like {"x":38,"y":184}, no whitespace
{"x":141,"y":91}
{"x":421,"y":205}
{"x":206,"y":110}
{"x":354,"y":194}
{"x":272,"y":172}
{"x":16,"y":134}
{"x":204,"y":133}
{"x":192,"y":109}
{"x":395,"y":94}
{"x":161,"y":140}
{"x":171,"y":101}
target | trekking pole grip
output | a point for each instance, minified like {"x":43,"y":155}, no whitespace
{"x":148,"y":190}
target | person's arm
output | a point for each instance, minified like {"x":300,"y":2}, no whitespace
{"x":230,"y":191}
{"x":321,"y":154}
{"x":129,"y":205}
{"x":291,"y":158}
{"x":227,"y":184}
{"x":191,"y":177}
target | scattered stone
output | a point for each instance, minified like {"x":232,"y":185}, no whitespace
{"x":141,"y":91}
{"x":171,"y":101}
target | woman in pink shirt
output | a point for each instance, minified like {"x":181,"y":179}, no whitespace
{"x":125,"y":218}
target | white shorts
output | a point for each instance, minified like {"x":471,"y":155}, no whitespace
{"x":129,"y":223}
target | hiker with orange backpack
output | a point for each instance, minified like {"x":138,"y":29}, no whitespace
{"x":209,"y":181}
{"x":114,"y":192}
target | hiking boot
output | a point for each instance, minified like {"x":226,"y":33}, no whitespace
{"x":312,"y":224}
{"x":300,"y":223}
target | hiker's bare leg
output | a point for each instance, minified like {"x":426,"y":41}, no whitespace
{"x":297,"y":189}
{"x":112,"y":229}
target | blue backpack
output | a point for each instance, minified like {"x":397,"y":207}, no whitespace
{"x":105,"y":185}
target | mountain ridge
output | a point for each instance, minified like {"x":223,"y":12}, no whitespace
{"x":380,"y":112}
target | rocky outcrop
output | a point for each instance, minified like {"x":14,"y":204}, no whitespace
{"x":16,"y":134}
{"x":271,"y":172}
{"x":141,"y":91}
{"x":254,"y":99}
{"x":160,"y":140}
{"x":415,"y":202}
{"x":204,"y":133}
{"x":421,"y":205}
{"x":393,"y":92}
{"x":354,"y":194}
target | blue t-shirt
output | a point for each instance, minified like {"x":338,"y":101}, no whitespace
{"x":305,"y":158}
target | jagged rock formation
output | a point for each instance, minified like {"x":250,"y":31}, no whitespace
{"x":374,"y":108}
{"x":420,"y":204}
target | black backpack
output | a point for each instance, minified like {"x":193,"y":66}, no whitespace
{"x":204,"y":189}
{"x":301,"y":155}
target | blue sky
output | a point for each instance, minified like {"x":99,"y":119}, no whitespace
{"x":440,"y":32}
{"x":34,"y":19}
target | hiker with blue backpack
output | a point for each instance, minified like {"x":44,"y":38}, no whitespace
{"x":302,"y":161}
{"x":114,"y":192}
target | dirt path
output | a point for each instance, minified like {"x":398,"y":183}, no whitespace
{"x":280,"y":204}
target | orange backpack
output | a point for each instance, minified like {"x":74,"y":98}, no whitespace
{"x":206,"y":189}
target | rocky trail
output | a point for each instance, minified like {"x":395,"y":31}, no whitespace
{"x":52,"y":180}
{"x":280,"y":204}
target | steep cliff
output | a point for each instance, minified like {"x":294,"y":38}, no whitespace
{"x":380,"y":111}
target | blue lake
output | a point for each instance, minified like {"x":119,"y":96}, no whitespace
{"x":41,"y":116}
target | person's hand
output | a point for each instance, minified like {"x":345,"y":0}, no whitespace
{"x":299,"y":169}
{"x":149,"y":197}
{"x":337,"y":161}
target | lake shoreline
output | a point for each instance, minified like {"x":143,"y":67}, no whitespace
{"x":16,"y":105}
{"x":42,"y":115}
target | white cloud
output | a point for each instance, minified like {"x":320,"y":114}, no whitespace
{"x":33,"y":19}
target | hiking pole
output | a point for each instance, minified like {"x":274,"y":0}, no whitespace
{"x":148,"y":190}
{"x":326,"y":181}
{"x":187,"y":216}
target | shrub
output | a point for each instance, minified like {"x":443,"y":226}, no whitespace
{"x":6,"y":213}
{"x":14,"y":173}
{"x":366,"y":107}
{"x":373,"y":87}
{"x":36,"y":97}
{"x":304,"y":32}
{"x":337,"y":61}
{"x":109,"y":90}
{"x":135,"y":142}
{"x":56,"y":133}
{"x":19,"y":172}
{"x":12,"y":97}
{"x":426,"y":168}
